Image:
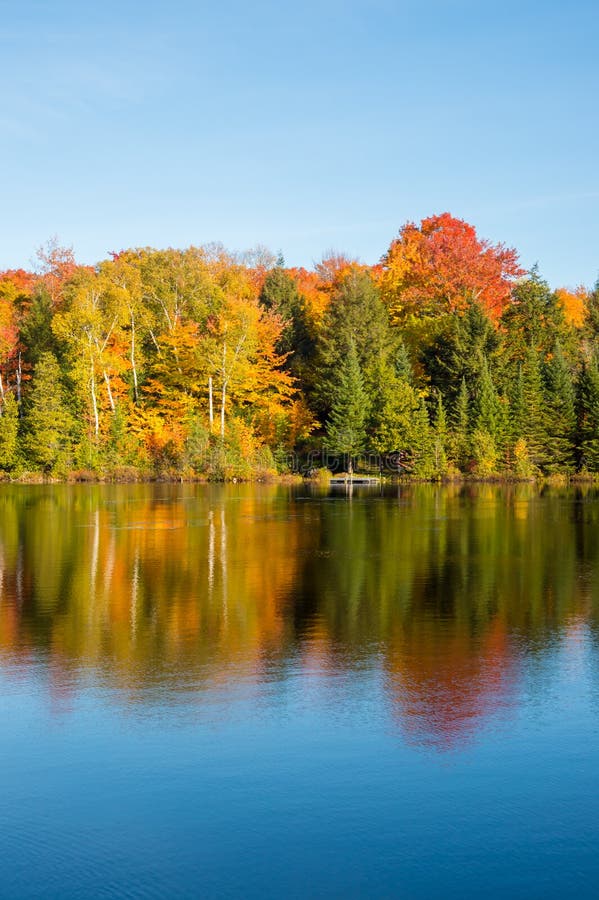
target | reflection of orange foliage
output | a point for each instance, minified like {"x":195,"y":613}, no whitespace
{"x":573,"y":304}
{"x":182,"y":587}
{"x":317,"y":655}
{"x":158,"y":581}
{"x":445,"y":680}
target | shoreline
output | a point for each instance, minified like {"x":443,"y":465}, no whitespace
{"x":87,"y":477}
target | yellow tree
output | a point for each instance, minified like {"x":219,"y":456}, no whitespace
{"x":88,"y":324}
{"x":123,"y":273}
{"x":240,"y":348}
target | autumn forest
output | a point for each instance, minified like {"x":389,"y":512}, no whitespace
{"x":446,"y":357}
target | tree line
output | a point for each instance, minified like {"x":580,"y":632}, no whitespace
{"x":200,"y":362}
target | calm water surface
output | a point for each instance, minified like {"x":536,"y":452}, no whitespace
{"x":275,"y":692}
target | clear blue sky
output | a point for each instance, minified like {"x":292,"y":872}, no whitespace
{"x":305,"y":127}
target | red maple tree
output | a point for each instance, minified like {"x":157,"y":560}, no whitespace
{"x":441,"y":264}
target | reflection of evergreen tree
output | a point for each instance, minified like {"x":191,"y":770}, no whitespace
{"x":111,"y":578}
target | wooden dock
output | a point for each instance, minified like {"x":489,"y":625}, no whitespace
{"x":355,"y":479}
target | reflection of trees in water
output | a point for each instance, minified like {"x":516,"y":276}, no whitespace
{"x":445,"y":681}
{"x":145,"y":582}
{"x":448,"y":586}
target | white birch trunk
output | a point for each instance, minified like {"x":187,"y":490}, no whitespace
{"x":133,"y":363}
{"x":109,"y":391}
{"x":94,"y":401}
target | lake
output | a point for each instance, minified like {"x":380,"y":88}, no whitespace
{"x":275,"y":691}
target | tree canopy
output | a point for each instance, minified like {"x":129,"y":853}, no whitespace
{"x":201,"y":362}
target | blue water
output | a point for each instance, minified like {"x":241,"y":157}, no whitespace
{"x":433,"y":733}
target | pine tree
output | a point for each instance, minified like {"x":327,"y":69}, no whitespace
{"x":346,"y":433}
{"x":279,"y":294}
{"x":440,"y":436}
{"x":490,"y":424}
{"x":9,"y":429}
{"x":422,"y":443}
{"x":463,"y":344}
{"x":402,"y":364}
{"x":487,"y":406}
{"x":561,"y":418}
{"x":47,"y":422}
{"x":516,"y":405}
{"x":392,"y":407}
{"x":484,"y":452}
{"x":588,"y":416}
{"x":461,"y":428}
{"x":514,"y":423}
{"x":355,"y":315}
{"x":37,"y":335}
{"x":533,"y":427}
{"x":535,"y":318}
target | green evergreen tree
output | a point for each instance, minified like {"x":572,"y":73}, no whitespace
{"x":588,"y":415}
{"x":346,"y":433}
{"x":9,"y":431}
{"x":36,"y":328}
{"x":423,"y":444}
{"x":393,"y":405}
{"x":47,"y":423}
{"x":440,"y":436}
{"x":280,"y":295}
{"x":516,"y":405}
{"x":490,"y":424}
{"x":488,"y":416}
{"x":561,"y":414}
{"x":484,"y":453}
{"x":460,"y":428}
{"x":533,"y":427}
{"x":534,"y":318}
{"x":402,"y":364}
{"x":463,"y":344}
{"x":355,"y":315}
{"x":515,"y":419}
